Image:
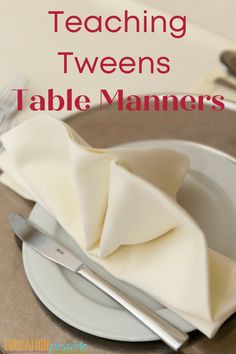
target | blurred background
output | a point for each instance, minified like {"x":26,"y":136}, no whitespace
{"x":29,"y":47}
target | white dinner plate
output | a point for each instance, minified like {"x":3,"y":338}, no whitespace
{"x":208,"y":194}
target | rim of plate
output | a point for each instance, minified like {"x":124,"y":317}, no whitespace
{"x":87,"y":328}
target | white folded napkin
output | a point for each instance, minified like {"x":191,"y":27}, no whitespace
{"x":119,"y":205}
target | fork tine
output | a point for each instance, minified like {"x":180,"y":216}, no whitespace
{"x":8,"y":103}
{"x":8,"y":97}
{"x":14,"y":81}
{"x":5,"y":89}
{"x":11,"y":98}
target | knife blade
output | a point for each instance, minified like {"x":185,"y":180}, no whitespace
{"x":50,"y":248}
{"x":43,"y":243}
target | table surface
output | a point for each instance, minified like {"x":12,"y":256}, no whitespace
{"x":22,"y":314}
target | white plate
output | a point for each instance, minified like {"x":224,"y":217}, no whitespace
{"x":208,"y":194}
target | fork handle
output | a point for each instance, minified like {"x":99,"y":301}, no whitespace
{"x":171,"y":335}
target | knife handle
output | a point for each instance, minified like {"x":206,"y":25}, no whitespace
{"x":171,"y":335}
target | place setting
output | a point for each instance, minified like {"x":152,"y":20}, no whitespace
{"x":117,"y":179}
{"x":152,"y":220}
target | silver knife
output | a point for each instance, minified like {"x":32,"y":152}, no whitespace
{"x":50,"y":248}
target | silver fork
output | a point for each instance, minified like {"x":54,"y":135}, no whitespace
{"x":8,"y":103}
